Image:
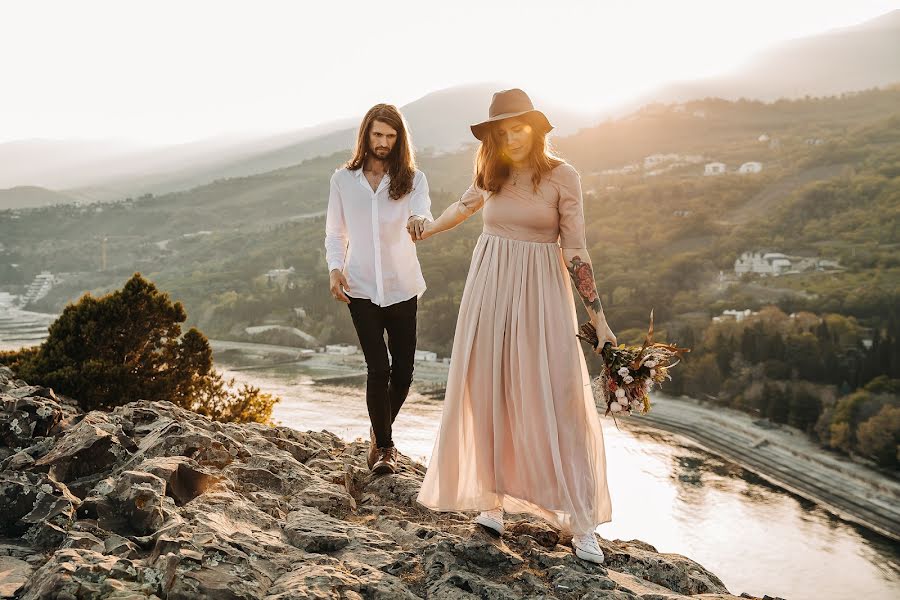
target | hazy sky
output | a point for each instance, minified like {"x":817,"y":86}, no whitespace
{"x":169,"y":71}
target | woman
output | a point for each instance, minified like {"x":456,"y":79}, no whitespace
{"x":519,"y":431}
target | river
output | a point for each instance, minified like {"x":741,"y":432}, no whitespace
{"x":665,"y":490}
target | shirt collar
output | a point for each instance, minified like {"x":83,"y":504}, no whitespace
{"x":359,"y":174}
{"x":385,"y":181}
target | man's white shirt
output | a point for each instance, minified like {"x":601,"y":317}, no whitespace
{"x":366,"y":237}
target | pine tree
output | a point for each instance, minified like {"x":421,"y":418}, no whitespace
{"x":127,"y":346}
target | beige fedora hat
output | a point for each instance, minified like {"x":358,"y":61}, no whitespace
{"x":507,"y":104}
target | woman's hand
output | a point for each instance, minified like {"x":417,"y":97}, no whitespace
{"x":604,"y":333}
{"x":427,"y":230}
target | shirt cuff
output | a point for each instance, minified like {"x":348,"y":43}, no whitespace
{"x":335,"y":264}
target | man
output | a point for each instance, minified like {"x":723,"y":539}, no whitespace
{"x":377,"y":199}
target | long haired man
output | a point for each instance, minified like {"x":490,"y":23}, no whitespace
{"x":377,"y":201}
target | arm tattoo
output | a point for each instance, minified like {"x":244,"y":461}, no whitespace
{"x":583,"y":276}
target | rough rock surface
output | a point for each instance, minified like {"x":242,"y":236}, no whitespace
{"x":153,"y":501}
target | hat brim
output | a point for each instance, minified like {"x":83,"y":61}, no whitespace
{"x":479,"y":130}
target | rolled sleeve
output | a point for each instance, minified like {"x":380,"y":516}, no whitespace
{"x":471,"y":201}
{"x":335,"y":228}
{"x":420,"y":199}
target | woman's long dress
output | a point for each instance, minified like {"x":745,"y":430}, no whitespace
{"x":519,"y":427}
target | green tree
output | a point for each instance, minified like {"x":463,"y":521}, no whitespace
{"x":805,"y":408}
{"x":778,"y":407}
{"x":879,"y":437}
{"x":127,"y":346}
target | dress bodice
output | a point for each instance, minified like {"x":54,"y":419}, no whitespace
{"x":549,"y":212}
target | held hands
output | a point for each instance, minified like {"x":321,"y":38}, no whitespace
{"x":417,"y":227}
{"x":604,"y":333}
{"x":338,"y":285}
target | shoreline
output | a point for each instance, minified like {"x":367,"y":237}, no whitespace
{"x":781,"y":455}
{"x":786,"y":458}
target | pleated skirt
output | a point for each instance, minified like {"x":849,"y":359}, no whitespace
{"x":519,"y":427}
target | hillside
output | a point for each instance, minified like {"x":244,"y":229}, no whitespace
{"x":31,"y":197}
{"x":212,"y":245}
{"x":103,"y":175}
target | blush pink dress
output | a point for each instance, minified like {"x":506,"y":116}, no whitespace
{"x":519,"y":427}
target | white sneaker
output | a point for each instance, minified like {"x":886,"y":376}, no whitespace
{"x":492,"y":519}
{"x":587,"y":548}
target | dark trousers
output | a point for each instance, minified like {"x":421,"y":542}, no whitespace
{"x":387,"y":383}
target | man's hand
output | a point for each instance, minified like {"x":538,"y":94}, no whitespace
{"x":416,"y":227}
{"x":338,"y":285}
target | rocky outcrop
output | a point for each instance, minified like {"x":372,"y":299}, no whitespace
{"x":153,"y":501}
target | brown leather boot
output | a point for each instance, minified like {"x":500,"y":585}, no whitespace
{"x":387,"y":461}
{"x":372,"y":454}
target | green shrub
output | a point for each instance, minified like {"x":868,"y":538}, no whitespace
{"x":127,"y":346}
{"x":879,"y":437}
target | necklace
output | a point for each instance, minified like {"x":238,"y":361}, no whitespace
{"x":515,"y":173}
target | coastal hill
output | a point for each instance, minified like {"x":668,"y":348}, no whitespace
{"x":32,"y":196}
{"x":848,"y":58}
{"x":153,"y":501}
{"x":214,"y":245}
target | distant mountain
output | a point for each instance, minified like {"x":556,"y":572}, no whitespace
{"x":841,"y":60}
{"x":697,"y":126}
{"x":53,"y":163}
{"x":32,"y":197}
{"x":439,"y":122}
{"x":94,"y":171}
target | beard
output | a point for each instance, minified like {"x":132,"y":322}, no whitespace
{"x":381,"y":153}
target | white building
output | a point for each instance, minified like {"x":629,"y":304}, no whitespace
{"x":750,"y":167}
{"x":769,"y":263}
{"x":660,"y":163}
{"x":426,"y":355}
{"x":736,"y":315}
{"x":280,"y":277}
{"x":621,"y":171}
{"x":714,"y":168}
{"x":658,"y":159}
{"x":825,"y":263}
{"x":763,"y":138}
{"x":345,"y":349}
